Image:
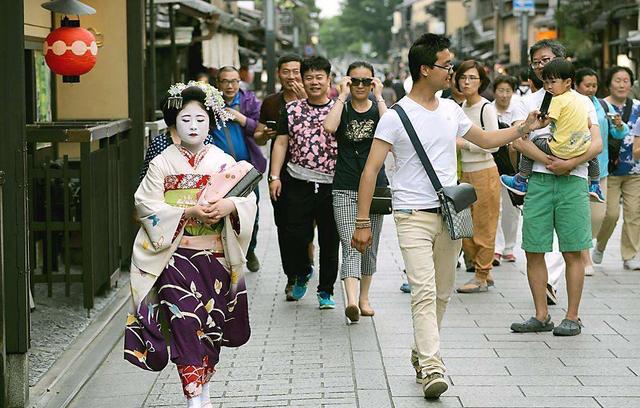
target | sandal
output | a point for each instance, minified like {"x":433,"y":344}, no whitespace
{"x":353,"y":313}
{"x":568,"y":328}
{"x":533,"y":325}
{"x":367,"y":311}
{"x":473,"y":286}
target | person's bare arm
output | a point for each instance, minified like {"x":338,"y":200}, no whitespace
{"x":280,"y":146}
{"x":379,"y":149}
{"x":496,"y":138}
{"x":636,"y":148}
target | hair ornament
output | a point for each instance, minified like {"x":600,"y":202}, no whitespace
{"x":213,"y":100}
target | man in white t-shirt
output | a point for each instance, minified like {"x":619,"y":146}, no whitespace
{"x":429,"y":253}
{"x":559,"y":204}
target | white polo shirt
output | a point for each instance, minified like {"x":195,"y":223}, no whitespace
{"x":531,"y":102}
{"x":437,"y":131}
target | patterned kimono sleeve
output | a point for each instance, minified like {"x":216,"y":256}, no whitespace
{"x":161,"y":222}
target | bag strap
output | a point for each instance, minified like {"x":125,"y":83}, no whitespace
{"x":604,"y":105}
{"x":227,"y":136}
{"x":626,"y":113}
{"x":422,"y":155}
{"x":482,"y":114}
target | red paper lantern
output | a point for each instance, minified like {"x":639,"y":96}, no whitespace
{"x":70,"y":52}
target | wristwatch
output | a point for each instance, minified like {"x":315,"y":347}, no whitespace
{"x":272,"y":178}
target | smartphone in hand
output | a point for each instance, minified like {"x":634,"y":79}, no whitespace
{"x":546,"y":101}
{"x":271,"y":124}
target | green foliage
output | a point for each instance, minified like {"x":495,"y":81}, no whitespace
{"x":575,"y":18}
{"x":360,"y":21}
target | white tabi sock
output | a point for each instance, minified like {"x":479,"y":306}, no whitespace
{"x":195,"y":402}
{"x":206,"y":400}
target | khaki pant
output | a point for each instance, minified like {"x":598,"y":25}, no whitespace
{"x":430,"y":257}
{"x":484,"y":213}
{"x":627,"y":187}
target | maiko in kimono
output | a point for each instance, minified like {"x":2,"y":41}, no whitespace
{"x":187,"y":258}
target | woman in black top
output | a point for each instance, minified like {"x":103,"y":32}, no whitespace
{"x":354,"y":123}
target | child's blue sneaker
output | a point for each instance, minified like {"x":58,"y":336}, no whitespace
{"x":595,"y":192}
{"x":517,"y":184}
{"x":300,"y":288}
{"x":325,"y":300}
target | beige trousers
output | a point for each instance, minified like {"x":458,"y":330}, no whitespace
{"x":627,"y":187}
{"x":430,"y":257}
{"x":484,"y":212}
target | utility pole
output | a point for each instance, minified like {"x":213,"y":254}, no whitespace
{"x":524,"y":38}
{"x":270,"y":40}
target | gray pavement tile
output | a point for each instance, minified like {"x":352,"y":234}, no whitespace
{"x":370,"y":379}
{"x":582,"y":391}
{"x":618,"y":402}
{"x":420,"y":402}
{"x":488,"y":380}
{"x":527,"y":402}
{"x":374,"y":399}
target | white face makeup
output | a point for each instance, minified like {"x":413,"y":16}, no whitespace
{"x":192,"y":125}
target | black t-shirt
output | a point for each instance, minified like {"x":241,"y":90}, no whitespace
{"x":355,"y":135}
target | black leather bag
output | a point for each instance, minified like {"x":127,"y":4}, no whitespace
{"x":381,"y":202}
{"x":246,"y":185}
{"x":454,"y":200}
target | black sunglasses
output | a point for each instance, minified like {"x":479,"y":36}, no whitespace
{"x":361,"y":81}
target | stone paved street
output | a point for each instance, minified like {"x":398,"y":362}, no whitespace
{"x":300,"y":356}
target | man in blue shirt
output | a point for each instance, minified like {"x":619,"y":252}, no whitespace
{"x":236,"y":138}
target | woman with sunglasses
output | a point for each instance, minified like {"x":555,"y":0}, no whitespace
{"x":354,"y":122}
{"x":479,"y":170}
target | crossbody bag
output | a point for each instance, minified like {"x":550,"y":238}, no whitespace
{"x":455,"y":200}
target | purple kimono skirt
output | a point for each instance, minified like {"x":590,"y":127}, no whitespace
{"x":196,"y":300}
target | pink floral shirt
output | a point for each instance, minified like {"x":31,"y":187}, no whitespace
{"x":309,"y":145}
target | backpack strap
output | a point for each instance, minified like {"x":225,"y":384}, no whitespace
{"x":626,"y":113}
{"x":604,"y":104}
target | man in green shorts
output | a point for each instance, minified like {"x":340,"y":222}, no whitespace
{"x":557,"y":201}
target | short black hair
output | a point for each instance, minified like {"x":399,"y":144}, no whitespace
{"x":556,"y":48}
{"x":614,"y":70}
{"x":505,"y":79}
{"x":360,"y":64}
{"x":316,"y":63}
{"x":289,"y":58}
{"x":470,"y":64}
{"x":192,"y":93}
{"x":559,"y":68}
{"x":423,"y":52}
{"x":585,"y":72}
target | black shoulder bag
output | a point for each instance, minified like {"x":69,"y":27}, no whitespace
{"x":502,"y":157}
{"x":455,"y":200}
{"x":615,"y":144}
{"x":504,"y":162}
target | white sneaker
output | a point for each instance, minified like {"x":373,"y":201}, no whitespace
{"x":596,"y":256}
{"x":588,"y":270}
{"x":632,"y":264}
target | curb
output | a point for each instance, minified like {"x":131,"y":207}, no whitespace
{"x":75,"y":367}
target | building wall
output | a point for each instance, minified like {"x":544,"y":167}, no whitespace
{"x":456,"y":16}
{"x":101,"y":93}
{"x":37,"y":21}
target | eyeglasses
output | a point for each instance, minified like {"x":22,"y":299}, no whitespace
{"x":469,"y":78}
{"x":361,"y":81}
{"x":448,"y":68}
{"x":226,"y":82}
{"x":541,"y":63}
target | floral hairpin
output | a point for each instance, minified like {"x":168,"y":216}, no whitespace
{"x":212,"y":101}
